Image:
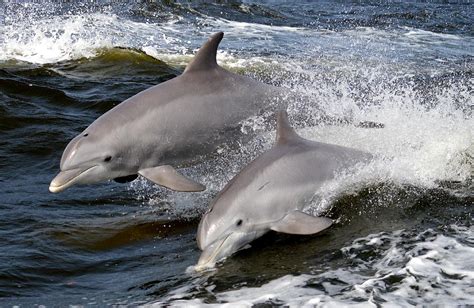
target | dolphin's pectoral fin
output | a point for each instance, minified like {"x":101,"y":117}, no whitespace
{"x":167,"y":176}
{"x":297,"y":222}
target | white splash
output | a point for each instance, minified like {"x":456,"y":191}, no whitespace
{"x":68,"y":37}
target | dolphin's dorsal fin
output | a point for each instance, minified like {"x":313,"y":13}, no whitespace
{"x":206,"y":56}
{"x":285,"y":133}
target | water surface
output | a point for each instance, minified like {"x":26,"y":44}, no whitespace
{"x":403,"y":232}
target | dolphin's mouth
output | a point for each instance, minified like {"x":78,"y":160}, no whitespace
{"x":223,"y":248}
{"x":67,"y":178}
{"x":210,"y":255}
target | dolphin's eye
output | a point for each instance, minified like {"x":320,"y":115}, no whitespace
{"x":86,"y":134}
{"x":239,"y":222}
{"x":108,"y":158}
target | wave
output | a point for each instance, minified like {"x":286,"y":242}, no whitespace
{"x":52,"y":38}
{"x":108,"y":234}
{"x":58,"y":83}
{"x":61,"y":38}
{"x":385,"y":267}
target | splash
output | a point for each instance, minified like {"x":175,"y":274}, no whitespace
{"x":426,"y":139}
{"x":67,"y":37}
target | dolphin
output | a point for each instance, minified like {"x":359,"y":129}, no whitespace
{"x":270,"y":193}
{"x":165,"y":126}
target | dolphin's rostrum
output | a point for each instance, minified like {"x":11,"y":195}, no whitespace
{"x":270,"y":193}
{"x":164,"y":126}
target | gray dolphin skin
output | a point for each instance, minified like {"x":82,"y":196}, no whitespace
{"x":168,"y":124}
{"x":270,"y":192}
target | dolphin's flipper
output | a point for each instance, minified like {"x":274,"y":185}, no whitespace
{"x":297,"y":222}
{"x":168,"y":177}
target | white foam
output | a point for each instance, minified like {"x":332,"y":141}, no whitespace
{"x":49,"y":39}
{"x":248,"y":29}
{"x":408,"y":269}
{"x":66,"y":37}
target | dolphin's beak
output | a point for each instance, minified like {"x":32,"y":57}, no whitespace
{"x":66,"y":178}
{"x":211,"y":254}
{"x":224,"y":247}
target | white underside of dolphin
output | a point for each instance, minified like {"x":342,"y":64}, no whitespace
{"x":164,"y":126}
{"x":270,"y":193}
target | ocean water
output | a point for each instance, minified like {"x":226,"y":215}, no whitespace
{"x":404,"y":231}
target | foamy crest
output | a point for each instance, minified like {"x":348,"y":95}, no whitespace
{"x":66,"y":37}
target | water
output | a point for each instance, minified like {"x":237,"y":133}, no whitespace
{"x":403,"y":234}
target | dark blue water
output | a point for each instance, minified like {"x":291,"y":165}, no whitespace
{"x":403,"y":231}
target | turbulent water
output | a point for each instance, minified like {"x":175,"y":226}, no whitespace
{"x":404,"y":231}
